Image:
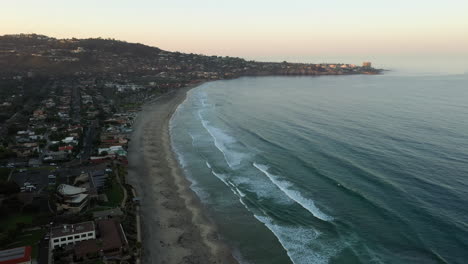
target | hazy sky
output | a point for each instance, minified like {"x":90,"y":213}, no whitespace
{"x":255,"y":28}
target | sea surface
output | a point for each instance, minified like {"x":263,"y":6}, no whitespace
{"x":331,"y":169}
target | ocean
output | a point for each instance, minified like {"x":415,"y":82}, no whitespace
{"x":331,"y":169}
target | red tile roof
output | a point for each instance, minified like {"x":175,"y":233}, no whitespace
{"x":65,"y":148}
{"x":15,"y":255}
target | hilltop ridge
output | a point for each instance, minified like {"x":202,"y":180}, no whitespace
{"x":41,"y":54}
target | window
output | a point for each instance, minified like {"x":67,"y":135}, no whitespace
{"x":56,"y":240}
{"x":90,"y":234}
{"x":70,"y":238}
{"x":77,"y":236}
{"x":63,"y":239}
{"x":83,"y":235}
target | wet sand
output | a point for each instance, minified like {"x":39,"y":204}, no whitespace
{"x":175,"y":228}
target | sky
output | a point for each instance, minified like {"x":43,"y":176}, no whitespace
{"x":268,"y":29}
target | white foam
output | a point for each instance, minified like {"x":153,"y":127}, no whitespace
{"x":221,"y":141}
{"x":295,"y":195}
{"x":180,"y":157}
{"x":292,"y":238}
{"x":262,"y":187}
{"x":222,"y":177}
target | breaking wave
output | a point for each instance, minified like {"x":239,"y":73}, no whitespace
{"x":295,"y":195}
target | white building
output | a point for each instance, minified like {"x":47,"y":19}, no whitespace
{"x":72,"y":199}
{"x":69,"y":140}
{"x":70,"y":234}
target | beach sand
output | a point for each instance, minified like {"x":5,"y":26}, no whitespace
{"x":175,"y":227}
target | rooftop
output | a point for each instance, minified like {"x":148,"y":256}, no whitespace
{"x":15,"y":255}
{"x":112,"y":234}
{"x":66,"y":230}
{"x":78,"y":198}
{"x":112,"y":239}
{"x":69,"y":190}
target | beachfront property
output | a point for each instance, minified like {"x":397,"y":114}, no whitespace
{"x":70,"y":234}
{"x":19,"y":255}
{"x":72,"y":199}
{"x":111,"y":242}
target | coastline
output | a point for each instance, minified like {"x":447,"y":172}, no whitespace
{"x":175,"y":228}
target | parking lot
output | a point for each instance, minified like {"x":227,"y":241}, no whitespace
{"x":39,"y":177}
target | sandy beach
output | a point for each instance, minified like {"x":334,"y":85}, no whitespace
{"x":175,"y":227}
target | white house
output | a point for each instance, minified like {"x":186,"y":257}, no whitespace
{"x":69,"y":140}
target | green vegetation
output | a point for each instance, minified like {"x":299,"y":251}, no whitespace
{"x":30,"y":238}
{"x":4,"y":172}
{"x":13,"y":221}
{"x":57,"y":136}
{"x":114,"y":193}
{"x":130,"y":106}
{"x":98,"y":209}
{"x":6,"y":153}
{"x":12,"y":235}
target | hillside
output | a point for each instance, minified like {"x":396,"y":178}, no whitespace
{"x":50,"y":56}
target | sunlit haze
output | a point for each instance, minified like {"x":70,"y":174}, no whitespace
{"x":271,"y":30}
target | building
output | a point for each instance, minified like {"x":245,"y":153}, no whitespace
{"x":111,"y":242}
{"x":367,"y":64}
{"x":71,"y":234}
{"x":99,"y":179}
{"x":69,"y":140}
{"x":19,"y":255}
{"x":72,"y":199}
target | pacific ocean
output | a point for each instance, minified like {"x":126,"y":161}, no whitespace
{"x":331,"y":169}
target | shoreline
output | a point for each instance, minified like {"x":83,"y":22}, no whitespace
{"x":175,"y":226}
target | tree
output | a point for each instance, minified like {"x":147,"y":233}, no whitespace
{"x":8,"y":188}
{"x":6,"y":153}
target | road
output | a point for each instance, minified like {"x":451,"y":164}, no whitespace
{"x":89,"y":135}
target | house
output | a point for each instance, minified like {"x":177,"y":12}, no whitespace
{"x":67,"y":149}
{"x":55,"y":156}
{"x":71,"y":234}
{"x":69,"y":140}
{"x":19,"y":255}
{"x":100,"y":159}
{"x":39,"y":114}
{"x":113,"y":150}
